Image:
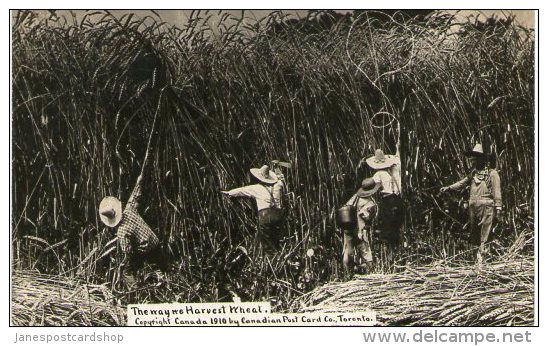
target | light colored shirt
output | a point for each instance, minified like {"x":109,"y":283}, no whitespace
{"x":390,"y":178}
{"x":395,"y":171}
{"x":265,"y":196}
{"x":389,"y":184}
{"x":367,"y":210}
{"x":484,"y":185}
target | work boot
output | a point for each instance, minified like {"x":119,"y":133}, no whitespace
{"x":348,"y":273}
{"x":366,"y":268}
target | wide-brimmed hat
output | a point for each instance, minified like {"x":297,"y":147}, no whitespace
{"x":264,"y":174}
{"x":110,"y":211}
{"x":368,"y":188}
{"x":477,"y":151}
{"x":380,"y":161}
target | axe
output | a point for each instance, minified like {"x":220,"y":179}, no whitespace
{"x":276,"y":164}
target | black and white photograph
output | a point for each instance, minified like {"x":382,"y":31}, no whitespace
{"x":273,"y":168}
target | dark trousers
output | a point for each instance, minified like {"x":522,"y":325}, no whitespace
{"x":156,"y":256}
{"x":269,"y":232}
{"x":481,"y":220}
{"x":390,"y":218}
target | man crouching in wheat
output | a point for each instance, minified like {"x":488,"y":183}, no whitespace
{"x":137,"y":242}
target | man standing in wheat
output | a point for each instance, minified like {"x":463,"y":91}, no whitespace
{"x":485,"y":202}
{"x":359,"y":240}
{"x":267,"y":193}
{"x":387,"y":174}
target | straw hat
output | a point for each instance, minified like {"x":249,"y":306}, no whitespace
{"x":110,"y":211}
{"x":368,"y":188}
{"x":477,"y":151}
{"x":380,"y":161}
{"x":264,"y":174}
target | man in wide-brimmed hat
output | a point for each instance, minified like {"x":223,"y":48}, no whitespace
{"x":387,"y":174}
{"x":485,"y":199}
{"x":267,"y":193}
{"x":137,"y":242}
{"x":360,"y":239}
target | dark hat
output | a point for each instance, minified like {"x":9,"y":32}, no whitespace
{"x":368,"y":188}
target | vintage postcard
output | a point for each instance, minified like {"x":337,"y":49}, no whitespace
{"x":273,"y":168}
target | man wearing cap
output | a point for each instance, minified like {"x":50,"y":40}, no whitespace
{"x":268,"y":197}
{"x":136,"y":239}
{"x":359,"y":239}
{"x":485,"y":200}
